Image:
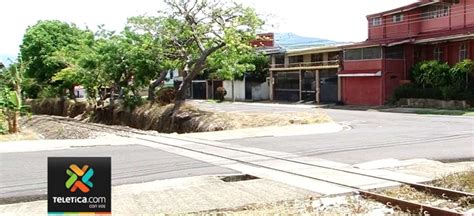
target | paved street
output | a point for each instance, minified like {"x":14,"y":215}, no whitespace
{"x":374,"y":135}
{"x":24,"y":173}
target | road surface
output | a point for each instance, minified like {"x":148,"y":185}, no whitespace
{"x":374,"y":135}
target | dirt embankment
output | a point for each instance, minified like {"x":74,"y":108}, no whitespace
{"x":152,"y":116}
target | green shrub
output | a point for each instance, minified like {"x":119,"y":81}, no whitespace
{"x":432,"y":74}
{"x":459,"y":74}
{"x":3,"y":124}
{"x":132,"y":101}
{"x":50,"y":92}
{"x":449,"y":92}
{"x":414,"y":91}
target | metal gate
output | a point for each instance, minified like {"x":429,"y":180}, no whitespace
{"x":328,"y":86}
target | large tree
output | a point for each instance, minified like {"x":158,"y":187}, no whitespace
{"x":41,"y":43}
{"x":197,"y":29}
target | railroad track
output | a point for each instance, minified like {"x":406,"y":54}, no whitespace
{"x":408,"y":206}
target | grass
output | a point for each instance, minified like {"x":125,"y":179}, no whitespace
{"x":469,"y":112}
{"x":462,"y":181}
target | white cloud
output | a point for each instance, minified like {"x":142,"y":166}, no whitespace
{"x":342,"y":20}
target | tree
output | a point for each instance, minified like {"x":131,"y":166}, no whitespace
{"x":459,"y":74}
{"x":197,"y":29}
{"x":432,"y":73}
{"x":41,"y":43}
{"x":11,"y":104}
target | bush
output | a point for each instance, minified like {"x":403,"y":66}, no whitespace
{"x":460,"y":72}
{"x":432,"y":74}
{"x":220,"y":93}
{"x":165,"y":95}
{"x":132,"y":101}
{"x":413,"y":91}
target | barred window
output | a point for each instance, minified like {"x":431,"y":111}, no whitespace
{"x":353,"y":54}
{"x":376,"y":21}
{"x":397,"y":18}
{"x":438,"y":53}
{"x":394,"y":52}
{"x":435,"y":11}
{"x":372,"y":53}
{"x":296,"y":59}
{"x":363,"y":53}
{"x":463,"y":52}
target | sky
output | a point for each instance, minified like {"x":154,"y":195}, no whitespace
{"x":338,"y":20}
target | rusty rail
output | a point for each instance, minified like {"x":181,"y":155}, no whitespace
{"x":442,"y":192}
{"x":407,"y":206}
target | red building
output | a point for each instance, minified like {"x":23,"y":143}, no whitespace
{"x":427,"y":30}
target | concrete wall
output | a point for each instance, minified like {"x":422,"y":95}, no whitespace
{"x":239,"y":89}
{"x":260,"y":91}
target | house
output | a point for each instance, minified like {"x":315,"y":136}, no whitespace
{"x":399,"y":38}
{"x":305,"y":70}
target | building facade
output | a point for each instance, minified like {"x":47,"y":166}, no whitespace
{"x":427,"y":30}
{"x":306,"y":75}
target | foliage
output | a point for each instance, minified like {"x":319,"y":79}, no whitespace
{"x":414,"y":91}
{"x":192,"y":32}
{"x":431,"y":74}
{"x":221,"y":93}
{"x":249,"y":63}
{"x":459,"y":74}
{"x":132,"y":101}
{"x":41,"y":43}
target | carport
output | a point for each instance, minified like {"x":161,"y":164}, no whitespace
{"x":318,"y":85}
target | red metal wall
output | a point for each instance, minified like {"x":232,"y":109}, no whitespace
{"x":461,"y":16}
{"x":396,"y":30}
{"x":393,"y":73}
{"x":361,"y":90}
{"x":363,"y":65}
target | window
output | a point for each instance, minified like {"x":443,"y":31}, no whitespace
{"x":376,"y":21}
{"x":397,"y":18}
{"x":353,"y":54}
{"x":279,"y":59}
{"x":463,"y":52}
{"x":363,"y":53}
{"x":435,"y":11}
{"x":394,"y":52}
{"x":372,"y":53}
{"x":317,"y":57}
{"x":333,"y":56}
{"x":296,"y":59}
{"x":438,"y":53}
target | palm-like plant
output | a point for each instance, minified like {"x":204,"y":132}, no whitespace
{"x":11,"y":104}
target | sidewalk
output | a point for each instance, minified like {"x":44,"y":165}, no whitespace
{"x":273,"y":131}
{"x":183,"y":195}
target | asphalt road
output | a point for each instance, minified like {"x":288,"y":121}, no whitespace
{"x":24,"y":175}
{"x":374,"y":135}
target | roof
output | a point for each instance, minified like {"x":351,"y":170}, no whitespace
{"x":420,"y":3}
{"x":360,"y":73}
{"x":317,"y":49}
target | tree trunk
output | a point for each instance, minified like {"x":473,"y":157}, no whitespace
{"x":10,"y":122}
{"x":15,"y":123}
{"x":154,"y":84}
{"x":72,"y":95}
